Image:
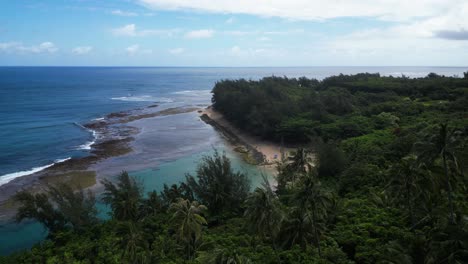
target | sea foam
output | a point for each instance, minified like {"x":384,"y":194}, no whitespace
{"x":144,"y":98}
{"x":87,"y":145}
{"x":4,"y":179}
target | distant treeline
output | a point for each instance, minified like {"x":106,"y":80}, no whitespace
{"x":380,"y":177}
{"x":338,"y":107}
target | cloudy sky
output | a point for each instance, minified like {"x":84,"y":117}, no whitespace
{"x":234,"y":32}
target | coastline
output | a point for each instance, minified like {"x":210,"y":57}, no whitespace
{"x":113,"y":140}
{"x":253,"y":150}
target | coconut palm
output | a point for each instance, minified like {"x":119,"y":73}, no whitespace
{"x":132,"y":241}
{"x":310,"y":196}
{"x":219,"y":256}
{"x":446,"y":145}
{"x":123,"y":198}
{"x":188,"y":217}
{"x":405,"y":182}
{"x":300,"y":160}
{"x":395,"y":253}
{"x":297,"y":228}
{"x":263,"y":212}
{"x":151,"y":205}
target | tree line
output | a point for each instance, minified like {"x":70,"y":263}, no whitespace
{"x":379,"y":177}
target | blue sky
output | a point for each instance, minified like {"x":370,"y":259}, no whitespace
{"x":233,"y":33}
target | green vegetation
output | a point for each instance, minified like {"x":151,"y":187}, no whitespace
{"x":380,"y":177}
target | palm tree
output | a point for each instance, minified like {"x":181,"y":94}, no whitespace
{"x":132,"y":241}
{"x":219,"y":256}
{"x":297,"y":228}
{"x":123,"y":198}
{"x":444,"y":144}
{"x":188,"y":217}
{"x":151,"y":205}
{"x":311,"y":196}
{"x":300,"y":160}
{"x":395,"y":253}
{"x":263,"y":212}
{"x":405,"y":182}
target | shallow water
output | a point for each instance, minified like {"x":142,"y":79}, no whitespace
{"x":41,"y":110}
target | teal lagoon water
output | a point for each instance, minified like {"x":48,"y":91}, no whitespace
{"x":40,"y":108}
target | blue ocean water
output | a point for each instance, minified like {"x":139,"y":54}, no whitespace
{"x":40,"y":108}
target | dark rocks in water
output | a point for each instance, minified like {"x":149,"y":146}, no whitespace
{"x":96,"y":125}
{"x":251,"y":154}
{"x":117,"y":115}
{"x":153,"y":106}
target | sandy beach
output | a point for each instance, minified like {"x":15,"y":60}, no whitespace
{"x":245,"y":143}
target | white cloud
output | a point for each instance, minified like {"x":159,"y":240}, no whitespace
{"x":131,"y":30}
{"x":417,"y":17}
{"x":239,"y":33}
{"x":230,"y":20}
{"x":82,"y":50}
{"x":18,"y":47}
{"x":119,"y":12}
{"x":312,"y":9}
{"x":177,"y":51}
{"x":135,"y":49}
{"x":247,"y":53}
{"x":236,"y":50}
{"x":264,"y":39}
{"x":202,"y":33}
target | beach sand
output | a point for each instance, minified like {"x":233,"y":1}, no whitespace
{"x":243,"y":142}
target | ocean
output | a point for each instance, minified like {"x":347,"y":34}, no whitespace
{"x":42,"y":110}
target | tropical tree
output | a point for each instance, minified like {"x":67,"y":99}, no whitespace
{"x":151,"y":206}
{"x":405,"y":182}
{"x":77,"y":207}
{"x":38,"y":207}
{"x":297,"y":228}
{"x":263,"y":212}
{"x":219,"y":256}
{"x":60,"y":206}
{"x":395,"y":253}
{"x":217,"y":185}
{"x":310,"y":196}
{"x":132,"y":241}
{"x":170,"y":194}
{"x":445,"y":145}
{"x":124,"y":198}
{"x":189,"y":220}
{"x":300,"y":160}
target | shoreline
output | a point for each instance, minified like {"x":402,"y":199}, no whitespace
{"x":115,"y":136}
{"x":114,"y":140}
{"x":255,"y":151}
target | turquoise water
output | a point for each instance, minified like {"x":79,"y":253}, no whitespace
{"x":174,"y":172}
{"x":40,"y":108}
{"x":22,"y":236}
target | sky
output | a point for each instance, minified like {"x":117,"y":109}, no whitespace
{"x":233,"y":33}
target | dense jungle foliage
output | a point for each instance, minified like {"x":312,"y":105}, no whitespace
{"x":379,"y":177}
